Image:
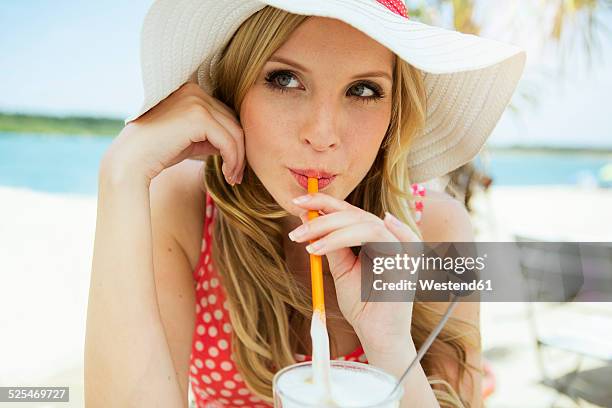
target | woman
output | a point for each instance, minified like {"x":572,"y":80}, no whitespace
{"x":200,"y":272}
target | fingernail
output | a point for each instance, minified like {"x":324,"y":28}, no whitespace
{"x":301,"y":199}
{"x":298,"y":232}
{"x":315,"y":246}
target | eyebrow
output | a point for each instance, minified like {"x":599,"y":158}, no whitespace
{"x":381,"y":74}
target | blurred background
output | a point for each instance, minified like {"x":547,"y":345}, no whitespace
{"x":70,"y":74}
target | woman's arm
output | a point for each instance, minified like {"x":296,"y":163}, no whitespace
{"x":417,"y":391}
{"x":127,"y":358}
{"x":444,"y":220}
{"x":177,"y":218}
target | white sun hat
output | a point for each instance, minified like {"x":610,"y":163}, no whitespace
{"x":469,"y":79}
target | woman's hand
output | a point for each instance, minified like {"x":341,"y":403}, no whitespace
{"x":381,"y":326}
{"x":188,"y":123}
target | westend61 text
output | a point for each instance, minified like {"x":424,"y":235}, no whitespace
{"x":430,"y":284}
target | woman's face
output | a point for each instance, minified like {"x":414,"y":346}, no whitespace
{"x":321,"y":102}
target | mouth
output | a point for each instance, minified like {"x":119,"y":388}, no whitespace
{"x":301,"y":176}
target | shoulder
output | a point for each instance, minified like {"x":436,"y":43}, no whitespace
{"x":177,"y":199}
{"x":445,"y":219}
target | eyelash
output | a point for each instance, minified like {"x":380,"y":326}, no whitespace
{"x":378,"y":94}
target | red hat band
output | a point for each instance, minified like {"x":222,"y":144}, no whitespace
{"x":396,"y":6}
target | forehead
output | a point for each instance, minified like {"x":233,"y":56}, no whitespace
{"x":321,"y":39}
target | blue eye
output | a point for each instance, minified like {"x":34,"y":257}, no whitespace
{"x":372,"y":90}
{"x":281,"y":80}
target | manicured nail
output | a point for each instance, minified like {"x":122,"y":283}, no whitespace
{"x":226,"y":174}
{"x":298,"y":232}
{"x":301,"y":199}
{"x":315,"y":247}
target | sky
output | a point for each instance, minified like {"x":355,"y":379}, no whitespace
{"x":82,"y":58}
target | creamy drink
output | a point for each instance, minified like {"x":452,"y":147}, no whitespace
{"x":353,"y":385}
{"x":323,"y":383}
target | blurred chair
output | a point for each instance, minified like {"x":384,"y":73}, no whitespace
{"x":574,"y":332}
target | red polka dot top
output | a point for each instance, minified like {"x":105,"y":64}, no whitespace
{"x":214,"y":378}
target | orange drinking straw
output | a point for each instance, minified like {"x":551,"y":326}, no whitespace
{"x":316,"y":263}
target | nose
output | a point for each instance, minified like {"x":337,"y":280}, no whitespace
{"x":321,"y":128}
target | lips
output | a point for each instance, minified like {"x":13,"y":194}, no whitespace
{"x":313,"y":173}
{"x":301,"y":176}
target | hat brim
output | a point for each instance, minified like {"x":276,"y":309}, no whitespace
{"x":469,"y":79}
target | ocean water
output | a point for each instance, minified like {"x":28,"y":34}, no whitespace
{"x":519,"y":169}
{"x":69,"y":164}
{"x":51,"y":163}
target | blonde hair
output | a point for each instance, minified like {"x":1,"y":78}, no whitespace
{"x":267,"y":305}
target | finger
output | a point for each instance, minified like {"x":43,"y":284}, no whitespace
{"x":203,"y":149}
{"x":323,"y":202}
{"x":222,"y":140}
{"x":336,"y":248}
{"x":353,"y":235}
{"x":325,"y":224}
{"x":192,"y":93}
{"x":236,"y":132}
{"x":241,"y":174}
{"x":222,"y":108}
{"x":192,"y":88}
{"x":304,"y":217}
{"x":399,"y":229}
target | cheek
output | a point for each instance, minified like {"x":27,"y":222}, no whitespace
{"x":367,"y":131}
{"x":372,"y":121}
{"x":265,"y":129}
{"x":364,"y":137}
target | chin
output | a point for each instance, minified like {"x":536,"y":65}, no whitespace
{"x":283,"y":196}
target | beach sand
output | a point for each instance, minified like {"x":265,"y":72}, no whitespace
{"x":46,"y":245}
{"x":553,"y":213}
